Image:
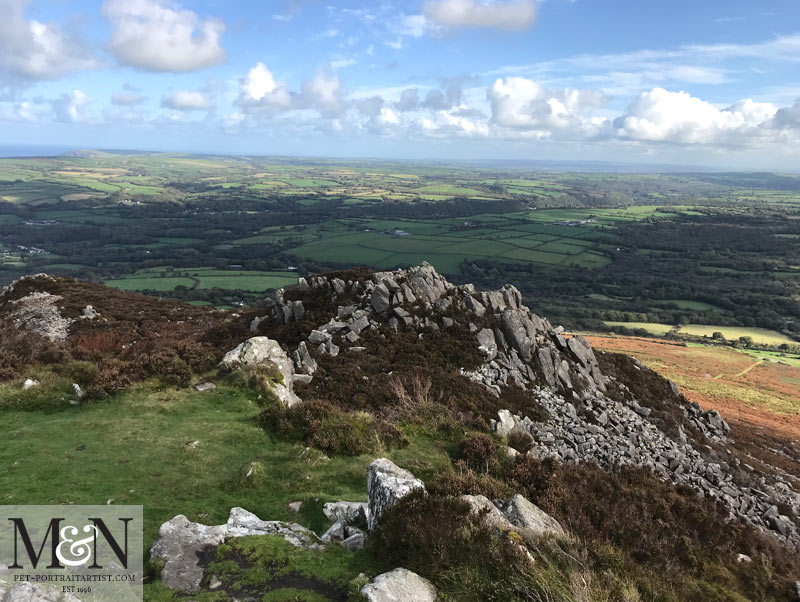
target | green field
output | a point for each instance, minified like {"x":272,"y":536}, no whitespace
{"x":166,"y":279}
{"x":760,"y":336}
{"x":657,"y":329}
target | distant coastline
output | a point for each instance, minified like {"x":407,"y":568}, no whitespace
{"x":31,"y":150}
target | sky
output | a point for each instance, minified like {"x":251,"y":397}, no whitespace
{"x":709,"y":82}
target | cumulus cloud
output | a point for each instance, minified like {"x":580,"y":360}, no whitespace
{"x":524,"y":107}
{"x":18,"y":112}
{"x":663,"y":116}
{"x":31,"y":50}
{"x":324,"y":92}
{"x":73,"y":107}
{"x":157,"y":35}
{"x":510,"y":15}
{"x":186,"y":100}
{"x":258,"y":89}
{"x":409,"y":100}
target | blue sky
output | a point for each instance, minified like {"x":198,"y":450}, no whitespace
{"x":711,"y":82}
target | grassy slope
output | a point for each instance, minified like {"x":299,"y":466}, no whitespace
{"x":136,"y":448}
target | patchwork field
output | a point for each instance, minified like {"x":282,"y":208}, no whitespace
{"x":758,"y":390}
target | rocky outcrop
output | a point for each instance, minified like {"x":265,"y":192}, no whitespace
{"x":263,"y":351}
{"x":387,"y":484}
{"x":611,"y":434}
{"x":182,"y":544}
{"x":38,"y":312}
{"x":594,"y":416}
{"x":399,"y":585}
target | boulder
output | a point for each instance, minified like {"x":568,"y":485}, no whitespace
{"x":36,"y":592}
{"x":387,"y":484}
{"x":525,"y":515}
{"x":505,"y":423}
{"x":483,"y":506}
{"x":349,"y":513}
{"x":180,"y":545}
{"x":242,"y":523}
{"x":303,"y":360}
{"x":29,"y":384}
{"x":183,"y":545}
{"x":399,"y":585}
{"x":259,"y":351}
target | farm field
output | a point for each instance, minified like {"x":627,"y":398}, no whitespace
{"x":168,"y":279}
{"x":761,"y":336}
{"x":746,"y":389}
{"x":598,"y":250}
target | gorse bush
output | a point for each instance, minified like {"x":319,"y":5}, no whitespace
{"x":336,"y":432}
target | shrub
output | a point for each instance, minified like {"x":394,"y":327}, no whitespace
{"x":83,"y":373}
{"x":520,"y":440}
{"x":332,"y":430}
{"x":110,"y":378}
{"x":9,"y":366}
{"x":479,"y":452}
{"x":469,"y":483}
{"x":439,"y":538}
{"x":164,"y":363}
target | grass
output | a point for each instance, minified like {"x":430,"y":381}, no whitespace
{"x":651,"y":327}
{"x":138,"y":448}
{"x":760,"y":336}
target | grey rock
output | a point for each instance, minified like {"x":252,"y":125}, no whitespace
{"x":35,"y":592}
{"x":360,"y":324}
{"x":387,"y":484}
{"x":206,"y":386}
{"x":355,"y":540}
{"x":349,"y":513}
{"x":490,"y":514}
{"x":399,"y":585}
{"x":505,"y":423}
{"x":522,"y":513}
{"x":179,"y":544}
{"x":318,"y":337}
{"x":259,"y":351}
{"x":303,"y":360}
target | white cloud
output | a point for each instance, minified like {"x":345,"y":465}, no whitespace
{"x":324,"y":92}
{"x":678,"y":117}
{"x":36,"y":50}
{"x":127,"y":99}
{"x":73,"y":107}
{"x":157,"y":35}
{"x":186,"y":100}
{"x":260,"y":90}
{"x":525,"y":108}
{"x":19,"y":112}
{"x":342,"y":63}
{"x":510,"y":15}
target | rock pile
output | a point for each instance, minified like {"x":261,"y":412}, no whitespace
{"x":524,"y":349}
{"x":610,"y":433}
{"x":520,"y":347}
